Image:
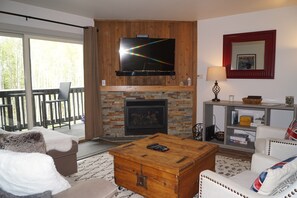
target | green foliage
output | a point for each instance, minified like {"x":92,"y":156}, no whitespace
{"x":54,"y":62}
{"x":11,"y":63}
{"x":51,"y":63}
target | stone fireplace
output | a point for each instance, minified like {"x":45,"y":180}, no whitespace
{"x":145,"y":117}
{"x":179,"y":108}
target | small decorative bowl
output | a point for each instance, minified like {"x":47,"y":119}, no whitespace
{"x":251,"y":101}
{"x":219,"y":135}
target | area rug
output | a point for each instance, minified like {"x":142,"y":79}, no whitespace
{"x":101,"y":166}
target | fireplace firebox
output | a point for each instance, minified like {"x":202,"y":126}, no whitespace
{"x":145,"y":117}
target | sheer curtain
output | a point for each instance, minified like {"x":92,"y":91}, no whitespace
{"x":93,"y":118}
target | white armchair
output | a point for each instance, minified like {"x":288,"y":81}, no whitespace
{"x":271,"y":141}
{"x":275,"y":149}
{"x":213,"y":185}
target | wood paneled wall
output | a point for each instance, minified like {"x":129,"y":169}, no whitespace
{"x":110,"y":32}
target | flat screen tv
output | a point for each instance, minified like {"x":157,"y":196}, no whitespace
{"x":146,"y":56}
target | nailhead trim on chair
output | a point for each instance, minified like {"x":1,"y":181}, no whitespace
{"x":219,"y":183}
{"x":291,"y":194}
{"x":280,"y":142}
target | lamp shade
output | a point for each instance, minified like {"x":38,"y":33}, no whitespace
{"x":216,"y":73}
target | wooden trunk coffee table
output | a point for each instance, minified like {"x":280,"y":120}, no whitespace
{"x":174,"y":173}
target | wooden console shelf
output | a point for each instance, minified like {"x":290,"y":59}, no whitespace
{"x":231,"y":129}
{"x":146,"y":88}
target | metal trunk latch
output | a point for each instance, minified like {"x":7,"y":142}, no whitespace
{"x":141,"y":179}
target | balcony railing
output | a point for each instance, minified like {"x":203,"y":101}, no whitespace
{"x":14,"y":111}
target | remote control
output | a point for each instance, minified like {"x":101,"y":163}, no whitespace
{"x":152,"y":146}
{"x":157,"y":147}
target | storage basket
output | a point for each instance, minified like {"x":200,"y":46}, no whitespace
{"x":251,"y":101}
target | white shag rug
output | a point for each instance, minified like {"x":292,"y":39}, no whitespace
{"x":101,"y":166}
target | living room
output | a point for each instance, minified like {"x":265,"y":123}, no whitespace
{"x":209,"y":47}
{"x":209,"y":50}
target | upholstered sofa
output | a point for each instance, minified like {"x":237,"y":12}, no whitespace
{"x":65,"y":161}
{"x":29,"y":169}
{"x":61,"y":147}
{"x":34,"y":174}
{"x":93,"y":188}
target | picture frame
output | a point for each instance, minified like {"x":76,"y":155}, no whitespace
{"x":246,"y":62}
{"x":265,"y":69}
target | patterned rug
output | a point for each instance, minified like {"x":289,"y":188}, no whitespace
{"x":101,"y":166}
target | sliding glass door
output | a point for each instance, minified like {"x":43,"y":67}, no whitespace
{"x":31,"y":69}
{"x":54,"y":61}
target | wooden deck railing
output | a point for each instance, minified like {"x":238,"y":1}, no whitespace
{"x":16,"y":117}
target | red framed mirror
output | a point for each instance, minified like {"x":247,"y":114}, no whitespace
{"x":250,"y":55}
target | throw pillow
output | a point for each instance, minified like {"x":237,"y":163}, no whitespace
{"x":29,"y":173}
{"x":271,"y":178}
{"x":46,"y":194}
{"x":23,"y":142}
{"x":292,"y":131}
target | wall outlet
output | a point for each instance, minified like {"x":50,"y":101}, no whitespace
{"x":103,"y":82}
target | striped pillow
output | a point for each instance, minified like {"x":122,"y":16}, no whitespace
{"x":292,"y":131}
{"x":270,"y":179}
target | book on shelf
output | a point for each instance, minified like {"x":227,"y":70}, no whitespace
{"x":254,"y":124}
{"x":239,"y":139}
{"x":234,"y":117}
{"x":239,"y":142}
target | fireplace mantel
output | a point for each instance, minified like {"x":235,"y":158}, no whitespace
{"x":146,"y":88}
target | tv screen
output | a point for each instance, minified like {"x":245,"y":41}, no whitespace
{"x":147,"y":54}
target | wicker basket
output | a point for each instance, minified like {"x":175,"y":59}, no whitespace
{"x":251,"y":101}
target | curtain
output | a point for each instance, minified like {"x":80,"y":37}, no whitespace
{"x":93,"y":117}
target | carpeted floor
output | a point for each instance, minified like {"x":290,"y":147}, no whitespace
{"x":101,"y":166}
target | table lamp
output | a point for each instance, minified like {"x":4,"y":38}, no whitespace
{"x":216,"y":73}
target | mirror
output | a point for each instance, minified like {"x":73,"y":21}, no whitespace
{"x":249,"y":55}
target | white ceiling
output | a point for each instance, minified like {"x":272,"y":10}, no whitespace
{"x":187,"y":10}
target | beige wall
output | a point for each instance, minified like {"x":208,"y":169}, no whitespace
{"x":210,"y":46}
